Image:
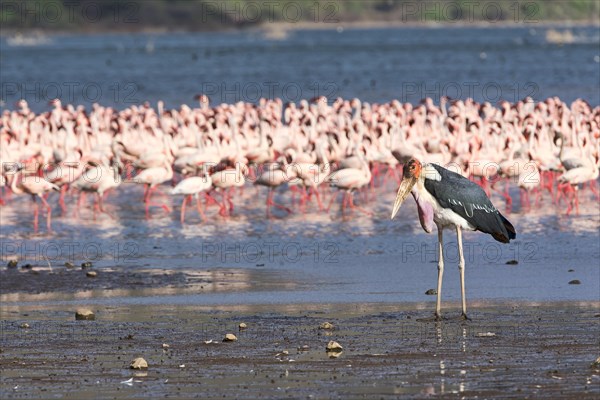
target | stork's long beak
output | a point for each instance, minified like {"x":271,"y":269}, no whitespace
{"x":405,"y":187}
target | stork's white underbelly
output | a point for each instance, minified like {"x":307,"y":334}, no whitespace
{"x":445,"y":217}
{"x":448,"y":218}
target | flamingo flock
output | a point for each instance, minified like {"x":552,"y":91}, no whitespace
{"x":213,"y":153}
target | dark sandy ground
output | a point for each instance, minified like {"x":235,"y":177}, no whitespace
{"x":505,"y":351}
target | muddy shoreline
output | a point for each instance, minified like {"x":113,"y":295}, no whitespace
{"x":505,"y":351}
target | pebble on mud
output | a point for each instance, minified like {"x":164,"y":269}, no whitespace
{"x":138,"y":363}
{"x":12,"y":264}
{"x":333,"y":346}
{"x":24,"y":325}
{"x":84,"y":314}
{"x":242,"y":325}
{"x":431,"y":292}
{"x":230,"y":337}
{"x":326,"y":325}
{"x":69,"y":265}
{"x":165,"y":346}
{"x":575,"y":282}
{"x":596,"y":364}
{"x":91,"y":274}
{"x":512,"y":262}
{"x":86,"y":265}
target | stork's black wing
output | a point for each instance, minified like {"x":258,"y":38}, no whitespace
{"x":468,"y":200}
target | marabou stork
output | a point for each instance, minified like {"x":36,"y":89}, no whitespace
{"x":448,"y":199}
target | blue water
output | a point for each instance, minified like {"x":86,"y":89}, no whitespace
{"x":375,"y":65}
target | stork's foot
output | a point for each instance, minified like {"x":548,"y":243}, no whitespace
{"x":463,"y":317}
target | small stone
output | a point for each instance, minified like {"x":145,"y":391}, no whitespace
{"x":24,"y":325}
{"x":12,"y":264}
{"x":86,"y":265}
{"x":431,"y":292}
{"x":69,"y":265}
{"x":27,"y":266}
{"x":486,"y":334}
{"x":596,"y":364}
{"x":230,"y":337}
{"x":575,"y":282}
{"x":138,"y":363}
{"x":512,"y":262}
{"x":326,"y":325}
{"x":571,"y":270}
{"x":84,"y":314}
{"x":333,"y":346}
{"x":243,"y":325}
{"x":304,"y":347}
{"x":91,"y":274}
{"x":165,"y":346}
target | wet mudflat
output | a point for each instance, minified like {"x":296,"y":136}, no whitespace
{"x":507,"y":350}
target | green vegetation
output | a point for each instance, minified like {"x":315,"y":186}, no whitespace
{"x":137,"y":15}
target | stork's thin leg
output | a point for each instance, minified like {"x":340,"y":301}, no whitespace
{"x":438,"y":304}
{"x":461,"y":268}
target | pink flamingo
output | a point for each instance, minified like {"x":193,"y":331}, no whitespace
{"x":192,"y":186}
{"x":36,"y":187}
{"x":272,"y":178}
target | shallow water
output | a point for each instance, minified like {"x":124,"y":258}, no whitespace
{"x":306,"y":257}
{"x":374,"y":65}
